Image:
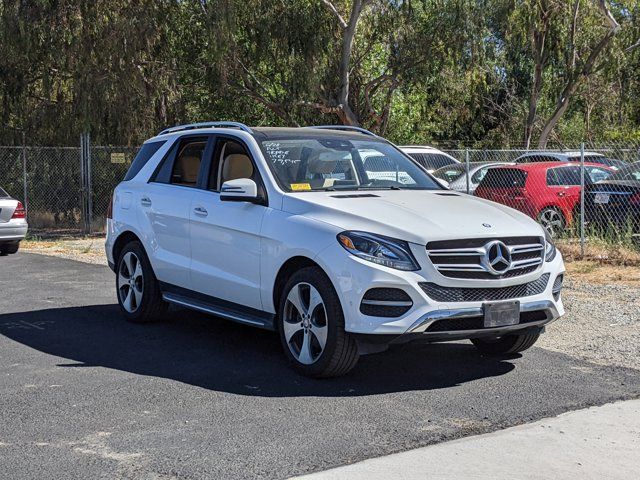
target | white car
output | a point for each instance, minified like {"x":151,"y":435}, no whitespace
{"x":430,"y":158}
{"x":285,"y":229}
{"x":13,"y":224}
{"x":575,"y":156}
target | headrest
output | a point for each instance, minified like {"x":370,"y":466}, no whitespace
{"x":236,"y":165}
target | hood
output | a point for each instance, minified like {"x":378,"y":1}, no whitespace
{"x":415,"y":216}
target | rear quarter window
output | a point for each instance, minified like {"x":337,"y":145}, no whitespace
{"x":144,"y":155}
{"x":504,"y":178}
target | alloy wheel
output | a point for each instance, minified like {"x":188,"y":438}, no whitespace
{"x":552,"y":221}
{"x":305,"y":323}
{"x":130,"y":282}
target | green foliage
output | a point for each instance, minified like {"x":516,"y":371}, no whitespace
{"x":453,"y":72}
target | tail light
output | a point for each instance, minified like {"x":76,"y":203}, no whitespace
{"x":110,"y":208}
{"x":19,"y":212}
{"x":635,"y":199}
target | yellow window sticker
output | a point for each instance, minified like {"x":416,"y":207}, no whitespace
{"x":297,"y":187}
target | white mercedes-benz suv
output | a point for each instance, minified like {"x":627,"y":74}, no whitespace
{"x":286,"y":229}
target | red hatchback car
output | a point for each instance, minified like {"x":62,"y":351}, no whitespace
{"x":546,"y":191}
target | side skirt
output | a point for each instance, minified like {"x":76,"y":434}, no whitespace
{"x":216,"y":306}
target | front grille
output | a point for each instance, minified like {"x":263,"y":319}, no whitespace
{"x":455,"y":294}
{"x":466,"y":258}
{"x":477,"y":323}
{"x":385,"y":302}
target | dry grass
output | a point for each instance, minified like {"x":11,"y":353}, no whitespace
{"x":601,"y":252}
{"x":602,"y":263}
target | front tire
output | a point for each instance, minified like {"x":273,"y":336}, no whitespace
{"x":311,"y":326}
{"x":137,"y":287}
{"x":506,"y":345}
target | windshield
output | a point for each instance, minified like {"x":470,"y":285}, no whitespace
{"x":3,"y":194}
{"x":313,"y":164}
{"x":632,"y":172}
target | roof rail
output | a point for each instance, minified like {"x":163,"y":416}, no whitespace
{"x":193,"y":126}
{"x":347,"y":128}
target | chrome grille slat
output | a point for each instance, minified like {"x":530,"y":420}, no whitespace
{"x":457,"y":257}
{"x":526,"y":248}
{"x":460,"y":268}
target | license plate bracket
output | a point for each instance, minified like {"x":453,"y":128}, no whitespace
{"x":501,"y":314}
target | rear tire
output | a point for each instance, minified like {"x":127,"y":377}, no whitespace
{"x":553,"y":221}
{"x":137,"y":287}
{"x":311,"y":325}
{"x":9,"y":248}
{"x":506,"y":345}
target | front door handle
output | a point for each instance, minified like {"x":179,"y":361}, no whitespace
{"x":145,"y":201}
{"x":201,"y":211}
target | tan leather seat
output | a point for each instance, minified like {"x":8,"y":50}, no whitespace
{"x":188,"y":168}
{"x":236,"y":165}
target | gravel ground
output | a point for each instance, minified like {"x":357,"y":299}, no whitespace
{"x":602,"y":324}
{"x":88,"y":250}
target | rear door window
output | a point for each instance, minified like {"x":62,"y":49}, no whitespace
{"x":186,"y":166}
{"x":564,"y":176}
{"x":143,"y":156}
{"x":504,"y":178}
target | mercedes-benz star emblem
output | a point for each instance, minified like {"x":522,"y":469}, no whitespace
{"x":498,"y":257}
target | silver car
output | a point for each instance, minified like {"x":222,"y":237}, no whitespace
{"x":13,"y":223}
{"x":455,"y":175}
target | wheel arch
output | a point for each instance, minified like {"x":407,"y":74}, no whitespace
{"x":292,"y":265}
{"x":124,"y":238}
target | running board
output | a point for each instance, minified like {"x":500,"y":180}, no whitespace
{"x":226,"y":312}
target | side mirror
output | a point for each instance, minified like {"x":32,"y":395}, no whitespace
{"x":240,"y":190}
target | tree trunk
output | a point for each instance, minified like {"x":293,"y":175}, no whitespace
{"x":575,"y":78}
{"x":347,"y":116}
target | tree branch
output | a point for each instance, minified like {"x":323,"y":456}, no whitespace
{"x":334,"y":10}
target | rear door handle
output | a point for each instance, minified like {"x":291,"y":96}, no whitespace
{"x":145,"y":201}
{"x":201,"y":211}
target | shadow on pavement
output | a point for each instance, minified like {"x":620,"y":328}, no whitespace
{"x":223,"y":356}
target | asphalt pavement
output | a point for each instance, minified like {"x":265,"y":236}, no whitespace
{"x":84,"y":394}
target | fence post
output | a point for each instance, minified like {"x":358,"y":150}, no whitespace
{"x":466,"y":159}
{"x":89,"y":185}
{"x":582,"y":199}
{"x":25,"y":189}
{"x":84,"y":184}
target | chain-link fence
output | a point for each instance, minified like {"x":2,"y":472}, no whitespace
{"x":61,"y":195}
{"x":591,"y":194}
{"x":589,"y":191}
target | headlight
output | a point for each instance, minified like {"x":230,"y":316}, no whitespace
{"x":549,"y":247}
{"x":381,"y":250}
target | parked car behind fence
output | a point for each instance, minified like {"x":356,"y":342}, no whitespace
{"x":546,"y":191}
{"x":614,"y":203}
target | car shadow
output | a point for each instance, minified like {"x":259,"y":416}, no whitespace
{"x":218,"y":355}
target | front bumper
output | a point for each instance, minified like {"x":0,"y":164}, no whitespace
{"x":353,"y":277}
